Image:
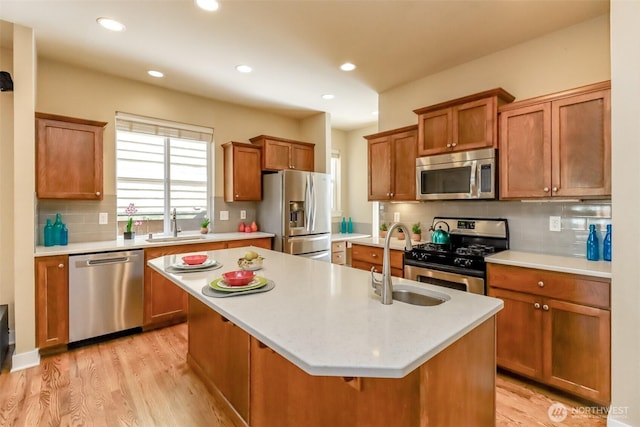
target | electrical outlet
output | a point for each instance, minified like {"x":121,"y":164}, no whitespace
{"x":243,"y":214}
{"x":224,"y":215}
{"x":103,"y":218}
{"x":555,"y":223}
{"x":396,"y":217}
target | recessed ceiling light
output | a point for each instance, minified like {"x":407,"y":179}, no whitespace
{"x":347,"y":66}
{"x":208,"y":5}
{"x":111,"y":24}
{"x":244,"y":68}
{"x":328,"y":96}
{"x":154,"y":73}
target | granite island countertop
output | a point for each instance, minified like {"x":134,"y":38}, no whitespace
{"x":326,"y":319}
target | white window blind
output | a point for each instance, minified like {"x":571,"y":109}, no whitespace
{"x":336,"y":208}
{"x":160,"y":166}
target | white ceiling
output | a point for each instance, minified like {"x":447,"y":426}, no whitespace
{"x":295,"y":47}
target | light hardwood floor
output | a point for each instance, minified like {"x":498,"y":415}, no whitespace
{"x":144,"y":380}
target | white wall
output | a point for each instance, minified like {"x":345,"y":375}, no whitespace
{"x":625,"y":114}
{"x":358,"y":206}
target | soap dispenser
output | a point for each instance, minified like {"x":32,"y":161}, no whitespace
{"x":592,"y":244}
{"x":606,"y":246}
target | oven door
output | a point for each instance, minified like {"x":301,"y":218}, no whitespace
{"x":445,"y":279}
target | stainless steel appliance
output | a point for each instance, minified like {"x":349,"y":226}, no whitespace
{"x":460,"y":263}
{"x":105,"y":293}
{"x":296,"y":207}
{"x":461,"y":175}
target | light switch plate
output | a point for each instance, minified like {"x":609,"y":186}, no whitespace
{"x":243,"y":214}
{"x":103,"y":218}
{"x":224,"y":215}
{"x":396,"y":217}
{"x":555,"y":223}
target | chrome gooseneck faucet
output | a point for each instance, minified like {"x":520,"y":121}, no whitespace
{"x":174,"y":223}
{"x":385,"y":285}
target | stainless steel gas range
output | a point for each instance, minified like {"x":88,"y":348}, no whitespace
{"x":460,"y":263}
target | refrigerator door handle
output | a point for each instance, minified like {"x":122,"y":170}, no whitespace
{"x":313,"y":203}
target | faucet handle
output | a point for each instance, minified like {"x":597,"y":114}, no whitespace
{"x":375,"y":283}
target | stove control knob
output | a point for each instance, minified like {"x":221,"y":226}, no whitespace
{"x":462,"y":262}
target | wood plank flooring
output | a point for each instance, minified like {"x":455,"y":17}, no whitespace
{"x":144,"y":380}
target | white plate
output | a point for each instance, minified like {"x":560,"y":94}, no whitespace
{"x":181,"y":265}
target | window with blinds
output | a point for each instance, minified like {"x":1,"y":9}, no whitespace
{"x":160,"y":166}
{"x":336,"y":208}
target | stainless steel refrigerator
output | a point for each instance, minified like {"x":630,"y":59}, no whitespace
{"x":296,"y":207}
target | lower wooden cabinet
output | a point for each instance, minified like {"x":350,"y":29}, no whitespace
{"x":339,"y":252}
{"x":365,"y":257}
{"x":164,"y":302}
{"x":554,"y":328}
{"x":52,"y":301}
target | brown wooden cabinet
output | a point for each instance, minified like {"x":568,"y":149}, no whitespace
{"x":166,"y":303}
{"x":281,"y":153}
{"x":392,"y":164}
{"x":68,"y":158}
{"x":554,"y":328}
{"x":557,"y":145}
{"x":461,"y":124}
{"x":52,"y":301}
{"x":242,"y":172}
{"x":364,"y":257}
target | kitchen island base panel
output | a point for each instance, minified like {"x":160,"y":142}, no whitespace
{"x":455,"y":387}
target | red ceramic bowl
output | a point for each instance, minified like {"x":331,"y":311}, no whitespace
{"x":238,"y":277}
{"x":194,"y":259}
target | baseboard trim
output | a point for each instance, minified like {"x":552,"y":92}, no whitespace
{"x":615,"y":423}
{"x":25,"y":360}
{"x":12,"y":337}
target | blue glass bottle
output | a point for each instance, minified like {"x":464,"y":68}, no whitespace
{"x":343,"y":226}
{"x":64,"y":236}
{"x":606,"y":246}
{"x":350,"y":226}
{"x":48,"y":233}
{"x":57,"y":229}
{"x":592,"y":244}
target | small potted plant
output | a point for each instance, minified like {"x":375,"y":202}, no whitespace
{"x":401,"y":233}
{"x":383,"y":229}
{"x":416,"y":232}
{"x":204,"y":225}
{"x":130,"y":210}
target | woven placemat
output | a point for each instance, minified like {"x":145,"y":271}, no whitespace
{"x":174,"y":270}
{"x":210,"y":292}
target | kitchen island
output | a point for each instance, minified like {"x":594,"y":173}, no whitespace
{"x":320,"y":349}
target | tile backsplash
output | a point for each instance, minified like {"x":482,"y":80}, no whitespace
{"x":528,"y":221}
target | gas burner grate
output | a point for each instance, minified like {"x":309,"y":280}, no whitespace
{"x":480,"y":250}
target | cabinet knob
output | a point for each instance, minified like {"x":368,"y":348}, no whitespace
{"x":374,"y":256}
{"x":536,"y":305}
{"x":545,"y":307}
{"x":554,"y":189}
{"x":448,"y":145}
{"x":454,"y":144}
{"x":237,"y":195}
{"x":391,"y":194}
{"x":60,"y":265}
{"x":541,"y":284}
{"x":545,"y":189}
{"x":97,"y":193}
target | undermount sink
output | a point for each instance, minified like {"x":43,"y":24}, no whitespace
{"x":176,"y":239}
{"x":418,"y":296}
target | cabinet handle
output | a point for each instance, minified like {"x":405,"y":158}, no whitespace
{"x":546,"y":189}
{"x":60,"y":265}
{"x":554,"y":189}
{"x":545,"y":307}
{"x":536,"y":305}
{"x":374,"y":255}
{"x":97,"y":193}
{"x":541,"y":284}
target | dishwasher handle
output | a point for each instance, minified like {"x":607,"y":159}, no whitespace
{"x":107,"y":261}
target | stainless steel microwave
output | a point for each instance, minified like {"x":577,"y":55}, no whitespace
{"x":461,"y":175}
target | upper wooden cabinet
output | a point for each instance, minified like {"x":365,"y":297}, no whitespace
{"x":392,"y":164}
{"x":242,"y":172}
{"x":461,"y":124}
{"x":68,"y":157}
{"x":557,"y":145}
{"x":279,"y":153}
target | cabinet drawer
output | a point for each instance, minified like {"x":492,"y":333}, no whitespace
{"x":339,"y":258}
{"x":374,"y":255}
{"x":338,"y":246}
{"x":363,"y":265}
{"x":575,"y":288}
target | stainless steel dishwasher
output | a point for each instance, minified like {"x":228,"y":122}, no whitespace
{"x":105,"y":293}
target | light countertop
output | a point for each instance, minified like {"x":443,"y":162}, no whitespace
{"x":558,"y":263}
{"x":394,"y":243}
{"x":341,"y":237}
{"x":140,"y":242}
{"x":326,"y":319}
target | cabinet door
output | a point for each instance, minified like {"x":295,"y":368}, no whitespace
{"x":68,"y":160}
{"x":519,"y":333}
{"x":525,"y":152}
{"x":404,"y":146}
{"x":302,"y":157}
{"x":52,"y":301}
{"x":247,"y":174}
{"x":474,"y":125}
{"x":435,"y":132}
{"x":577,"y":349}
{"x":379,"y":150}
{"x":260,"y":243}
{"x":581,"y":137}
{"x":275,"y":155}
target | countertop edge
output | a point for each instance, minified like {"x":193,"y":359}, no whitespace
{"x":558,"y":263}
